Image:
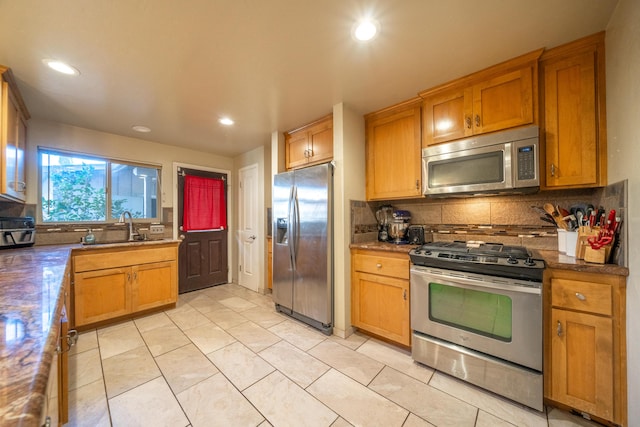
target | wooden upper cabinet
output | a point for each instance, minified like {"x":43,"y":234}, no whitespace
{"x":310,"y":144}
{"x":393,"y":152}
{"x":503,"y":102}
{"x":13,"y":138}
{"x":447,"y":115}
{"x":573,"y":115}
{"x":500,"y":97}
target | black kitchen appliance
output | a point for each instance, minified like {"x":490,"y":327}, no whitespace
{"x":415,"y":235}
{"x":16,"y":232}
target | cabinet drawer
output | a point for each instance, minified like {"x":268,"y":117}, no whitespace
{"x":585,"y":296}
{"x":382,"y":265}
{"x":112,"y":259}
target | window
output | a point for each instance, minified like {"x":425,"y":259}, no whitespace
{"x":82,"y":188}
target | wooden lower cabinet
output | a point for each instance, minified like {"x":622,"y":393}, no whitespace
{"x":585,"y":355}
{"x":110,"y":285}
{"x":380,"y":294}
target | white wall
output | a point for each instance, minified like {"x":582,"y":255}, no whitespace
{"x":349,"y":184}
{"x":623,"y":136}
{"x":72,"y":138}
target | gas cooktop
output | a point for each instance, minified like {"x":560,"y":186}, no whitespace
{"x":479,"y":257}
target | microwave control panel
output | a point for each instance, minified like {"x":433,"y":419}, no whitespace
{"x":526,"y":162}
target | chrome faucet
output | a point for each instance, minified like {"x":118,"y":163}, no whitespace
{"x":131,"y":232}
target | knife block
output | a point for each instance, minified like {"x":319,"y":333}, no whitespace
{"x":598,"y":256}
{"x":584,"y":232}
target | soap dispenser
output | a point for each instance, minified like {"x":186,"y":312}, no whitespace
{"x":90,"y":238}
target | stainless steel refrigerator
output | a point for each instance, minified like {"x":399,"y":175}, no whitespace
{"x":303,"y":245}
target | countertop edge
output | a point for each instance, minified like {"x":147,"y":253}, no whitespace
{"x":552,"y":259}
{"x":26,"y":403}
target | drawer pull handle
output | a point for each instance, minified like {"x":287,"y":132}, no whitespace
{"x":559,"y":329}
{"x":378,"y":265}
{"x":580,"y":296}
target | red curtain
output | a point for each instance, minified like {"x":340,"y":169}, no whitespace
{"x":204,"y":204}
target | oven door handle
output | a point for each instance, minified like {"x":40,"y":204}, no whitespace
{"x":463,"y":279}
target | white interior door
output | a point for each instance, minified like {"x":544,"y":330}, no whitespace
{"x":249,"y":240}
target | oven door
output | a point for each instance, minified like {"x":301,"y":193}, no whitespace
{"x":496,"y":316}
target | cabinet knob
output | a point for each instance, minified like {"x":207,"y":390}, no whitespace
{"x":467,"y":121}
{"x":478,"y":120}
{"x":580,"y":296}
{"x":559,"y":329}
{"x":378,"y":265}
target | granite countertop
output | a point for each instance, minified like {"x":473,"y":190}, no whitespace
{"x":383,"y":246}
{"x":552,"y":259}
{"x":118,"y":244}
{"x":30,"y":307}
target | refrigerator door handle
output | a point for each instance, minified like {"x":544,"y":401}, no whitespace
{"x":294,"y":228}
{"x":290,"y":227}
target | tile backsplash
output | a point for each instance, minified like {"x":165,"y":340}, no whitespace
{"x":514,"y":219}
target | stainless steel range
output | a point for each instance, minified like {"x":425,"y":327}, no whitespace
{"x":476,"y":313}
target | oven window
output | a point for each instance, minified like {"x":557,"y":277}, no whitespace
{"x":468,"y":170}
{"x":484,"y":313}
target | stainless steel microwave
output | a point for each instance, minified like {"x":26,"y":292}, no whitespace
{"x":497,"y":163}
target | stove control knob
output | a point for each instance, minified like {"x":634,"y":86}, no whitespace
{"x":530,"y":262}
{"x":512,"y":260}
{"x":427,"y":252}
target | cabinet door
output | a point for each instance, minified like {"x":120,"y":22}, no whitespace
{"x":503,"y":102}
{"x":380,"y":305}
{"x":393,"y":155}
{"x":447,"y":116}
{"x":12,"y":150}
{"x":321,"y":142}
{"x":101,"y":295}
{"x":296,"y":149}
{"x":582,"y":361}
{"x":154,"y":285}
{"x":570,"y":118}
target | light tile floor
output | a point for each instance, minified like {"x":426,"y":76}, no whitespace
{"x":224,"y":357}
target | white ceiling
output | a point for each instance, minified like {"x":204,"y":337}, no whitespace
{"x":177,"y":66}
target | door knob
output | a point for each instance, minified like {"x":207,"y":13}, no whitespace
{"x":252,"y":237}
{"x":182,"y":237}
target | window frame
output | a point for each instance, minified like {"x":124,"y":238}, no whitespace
{"x":108,"y":188}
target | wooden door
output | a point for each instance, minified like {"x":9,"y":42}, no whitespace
{"x":582,"y":361}
{"x":447,"y":116}
{"x":503,"y":102}
{"x":102,"y":295}
{"x":393,"y":155}
{"x":202,"y":256}
{"x":321,"y":142}
{"x":381,"y":305}
{"x":570,"y":122}
{"x":154,"y":285}
{"x":296,"y":149}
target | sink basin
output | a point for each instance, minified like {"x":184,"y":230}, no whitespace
{"x":120,"y":242}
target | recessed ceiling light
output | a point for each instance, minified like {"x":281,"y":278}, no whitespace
{"x":61,"y":67}
{"x":226,"y":121}
{"x":142,"y":129}
{"x":365,"y":30}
